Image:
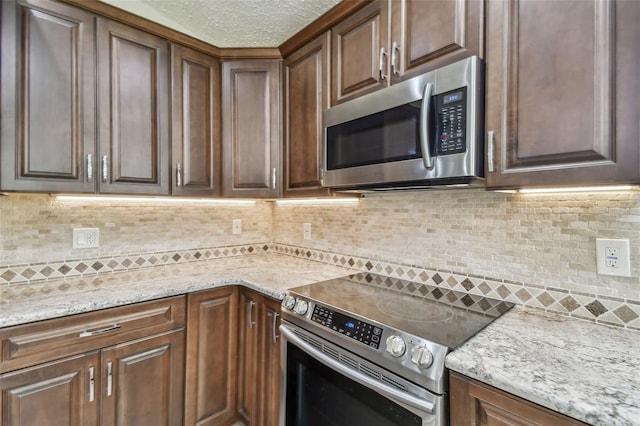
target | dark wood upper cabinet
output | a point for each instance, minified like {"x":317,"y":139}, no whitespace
{"x":306,"y":95}
{"x":133,"y":110}
{"x":196,"y":132}
{"x":359,"y":53}
{"x":251,"y":128}
{"x":426,"y":35}
{"x":391,"y":40}
{"x":47,"y":97}
{"x":562,"y":92}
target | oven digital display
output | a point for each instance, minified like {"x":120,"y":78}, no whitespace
{"x":360,"y":331}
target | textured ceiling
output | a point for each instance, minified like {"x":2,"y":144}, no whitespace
{"x":231,"y":23}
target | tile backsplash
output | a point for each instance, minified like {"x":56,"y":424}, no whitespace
{"x":533,"y":250}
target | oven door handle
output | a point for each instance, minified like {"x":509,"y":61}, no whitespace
{"x":380,"y":387}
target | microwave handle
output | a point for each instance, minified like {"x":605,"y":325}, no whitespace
{"x":425,"y":114}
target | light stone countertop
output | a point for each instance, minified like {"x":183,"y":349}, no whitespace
{"x":586,"y":371}
{"x":271,"y":274}
{"x":583,"y":370}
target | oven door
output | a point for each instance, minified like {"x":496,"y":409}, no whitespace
{"x":323,"y":384}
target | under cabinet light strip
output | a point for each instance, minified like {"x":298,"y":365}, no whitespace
{"x":143,"y":200}
{"x":318,"y":201}
{"x":576,"y":189}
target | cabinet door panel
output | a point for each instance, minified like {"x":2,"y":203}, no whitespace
{"x":146,"y":384}
{"x":554,"y":91}
{"x":196,"y":123}
{"x":430,"y":34}
{"x":133,"y":92}
{"x":270,"y":362}
{"x":248,"y":384}
{"x":306,"y":96}
{"x":48,"y":97}
{"x":211,"y":357}
{"x":58,"y":390}
{"x":356,"y":53}
{"x":251,"y":128}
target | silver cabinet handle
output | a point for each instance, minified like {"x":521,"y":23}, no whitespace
{"x":274,"y":326}
{"x":425,"y":125}
{"x":250,"y":313}
{"x":89,"y":168}
{"x":105,"y":168}
{"x":109,"y":378}
{"x":178,"y":175}
{"x":383,"y":53}
{"x":273,"y":178}
{"x":89,"y":333}
{"x":490,"y":143}
{"x":395,"y":51}
{"x":92,"y":384}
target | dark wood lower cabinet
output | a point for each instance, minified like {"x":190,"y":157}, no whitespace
{"x":475,"y":404}
{"x":259,"y":355}
{"x":56,"y":393}
{"x":143,"y":382}
{"x":211,"y":357}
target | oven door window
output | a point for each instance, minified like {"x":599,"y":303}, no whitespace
{"x":384,"y":137}
{"x":319,"y":396}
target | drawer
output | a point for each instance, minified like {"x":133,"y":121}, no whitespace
{"x":31,"y":344}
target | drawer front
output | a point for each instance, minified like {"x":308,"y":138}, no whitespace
{"x":31,"y":344}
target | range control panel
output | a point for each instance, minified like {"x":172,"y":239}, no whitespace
{"x":452,"y":122}
{"x":360,"y":331}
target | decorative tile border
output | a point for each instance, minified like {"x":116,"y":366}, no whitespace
{"x":29,"y":273}
{"x":413,"y":279}
{"x":409,"y":279}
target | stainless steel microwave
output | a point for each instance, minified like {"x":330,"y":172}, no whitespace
{"x":423,"y":132}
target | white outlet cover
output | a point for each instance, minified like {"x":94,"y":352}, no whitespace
{"x":237,"y":226}
{"x":306,"y":231}
{"x":86,"y":238}
{"x":622,"y":261}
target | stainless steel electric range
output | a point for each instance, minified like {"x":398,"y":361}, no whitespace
{"x":358,"y":351}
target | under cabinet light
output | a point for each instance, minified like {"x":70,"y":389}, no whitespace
{"x":343,"y":201}
{"x":150,"y":200}
{"x":609,"y":188}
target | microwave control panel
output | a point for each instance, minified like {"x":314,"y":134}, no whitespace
{"x":451,"y":110}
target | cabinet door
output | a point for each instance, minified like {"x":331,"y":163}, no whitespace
{"x":429,"y":34}
{"x":251,"y":128}
{"x":47,"y":97}
{"x":143,"y":382}
{"x":133,"y":110}
{"x":212,"y":341}
{"x":475,"y":404}
{"x":61,"y":392}
{"x":269,"y":355}
{"x":306,"y":81}
{"x":248,"y":387}
{"x":562,"y":92}
{"x":196,"y":143}
{"x":359,"y":53}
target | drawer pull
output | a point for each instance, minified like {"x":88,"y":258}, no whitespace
{"x":250,"y":313}
{"x":90,"y":333}
{"x":274,"y":326}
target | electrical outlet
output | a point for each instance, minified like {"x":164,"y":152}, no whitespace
{"x":613,"y":257}
{"x":306,"y":231}
{"x":86,"y":238}
{"x":237,"y":226}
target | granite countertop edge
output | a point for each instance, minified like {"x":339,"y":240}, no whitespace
{"x":574,"y":367}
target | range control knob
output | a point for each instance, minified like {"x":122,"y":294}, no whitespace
{"x":396,"y":346}
{"x":421,"y":357}
{"x":301,"y":307}
{"x":288,"y":302}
